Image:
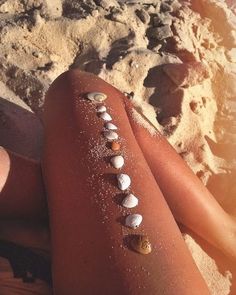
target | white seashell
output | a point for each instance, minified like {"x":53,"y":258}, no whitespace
{"x":130,"y":201}
{"x":117,"y":162}
{"x":96,"y":96}
{"x":110,"y":126}
{"x":124,"y":181}
{"x":105,"y":116}
{"x":110,"y":135}
{"x":101,"y":109}
{"x":133,"y":220}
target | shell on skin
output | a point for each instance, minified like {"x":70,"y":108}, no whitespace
{"x":105,"y":116}
{"x":96,"y":96}
{"x":101,"y":109}
{"x":130,"y":201}
{"x":141,"y":244}
{"x":110,"y":126}
{"x":133,"y":220}
{"x":110,"y":135}
{"x":117,"y":162}
{"x":124,"y":181}
{"x":115,"y":146}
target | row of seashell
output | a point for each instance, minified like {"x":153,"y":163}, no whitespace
{"x":142,"y":244}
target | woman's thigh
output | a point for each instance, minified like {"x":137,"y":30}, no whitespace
{"x":90,"y":231}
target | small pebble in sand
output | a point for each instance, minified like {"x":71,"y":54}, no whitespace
{"x":117,"y":162}
{"x":124,"y":181}
{"x":115,"y":146}
{"x":105,"y":116}
{"x":110,"y":126}
{"x":96,"y":96}
{"x":130,"y":201}
{"x":101,"y":109}
{"x":133,"y":220}
{"x":141,"y":244}
{"x":110,"y":135}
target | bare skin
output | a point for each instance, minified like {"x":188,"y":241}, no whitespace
{"x":84,"y":203}
{"x":180,"y":198}
{"x":189,"y":200}
{"x":23,"y":221}
{"x":23,"y":206}
{"x":21,"y":186}
{"x":185,"y":194}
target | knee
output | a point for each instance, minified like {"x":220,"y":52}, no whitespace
{"x":62,"y":92}
{"x":62,"y":102}
{"x":4,"y":167}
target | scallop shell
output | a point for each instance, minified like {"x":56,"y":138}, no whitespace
{"x":101,"y":109}
{"x":133,"y":220}
{"x":117,"y":162}
{"x":124,"y":181}
{"x":110,"y":135}
{"x":105,"y":116}
{"x":110,"y":126}
{"x":130,"y":201}
{"x":141,"y":244}
{"x":96,"y":96}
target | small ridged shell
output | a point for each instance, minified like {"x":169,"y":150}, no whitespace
{"x":101,"y":109}
{"x":133,"y":220}
{"x":115,"y":146}
{"x":105,"y":116}
{"x":110,"y":135}
{"x":117,"y":162}
{"x":141,"y":244}
{"x":124,"y":181}
{"x":130,"y":201}
{"x":96,"y":96}
{"x":110,"y":126}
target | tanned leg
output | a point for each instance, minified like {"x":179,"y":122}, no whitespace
{"x":189,"y":200}
{"x":23,"y":207}
{"x":22,"y":192}
{"x":90,"y":255}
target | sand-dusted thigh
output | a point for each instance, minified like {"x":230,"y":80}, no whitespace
{"x":91,"y":235}
{"x":189,"y":200}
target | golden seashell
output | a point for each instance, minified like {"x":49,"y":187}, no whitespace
{"x":141,"y":244}
{"x":115,"y":146}
{"x":96,"y":96}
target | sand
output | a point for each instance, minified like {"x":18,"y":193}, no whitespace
{"x":175,"y":59}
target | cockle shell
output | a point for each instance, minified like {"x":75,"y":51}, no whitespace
{"x":110,"y":135}
{"x":117,"y":162}
{"x":96,"y":96}
{"x":141,"y":244}
{"x":124,"y":181}
{"x":105,"y":116}
{"x":101,"y":109}
{"x":130,"y":201}
{"x":133,"y":220}
{"x":115,"y":146}
{"x":110,"y":126}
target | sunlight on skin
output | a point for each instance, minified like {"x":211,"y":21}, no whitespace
{"x":189,"y":200}
{"x":4,"y":167}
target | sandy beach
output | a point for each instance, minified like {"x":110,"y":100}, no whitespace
{"x":175,"y":59}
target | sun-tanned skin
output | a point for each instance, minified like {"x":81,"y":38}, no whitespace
{"x":86,"y":219}
{"x":189,"y":200}
{"x":23,"y":222}
{"x":22,"y":194}
{"x":23,"y":206}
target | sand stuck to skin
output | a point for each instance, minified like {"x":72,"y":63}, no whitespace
{"x":175,"y":59}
